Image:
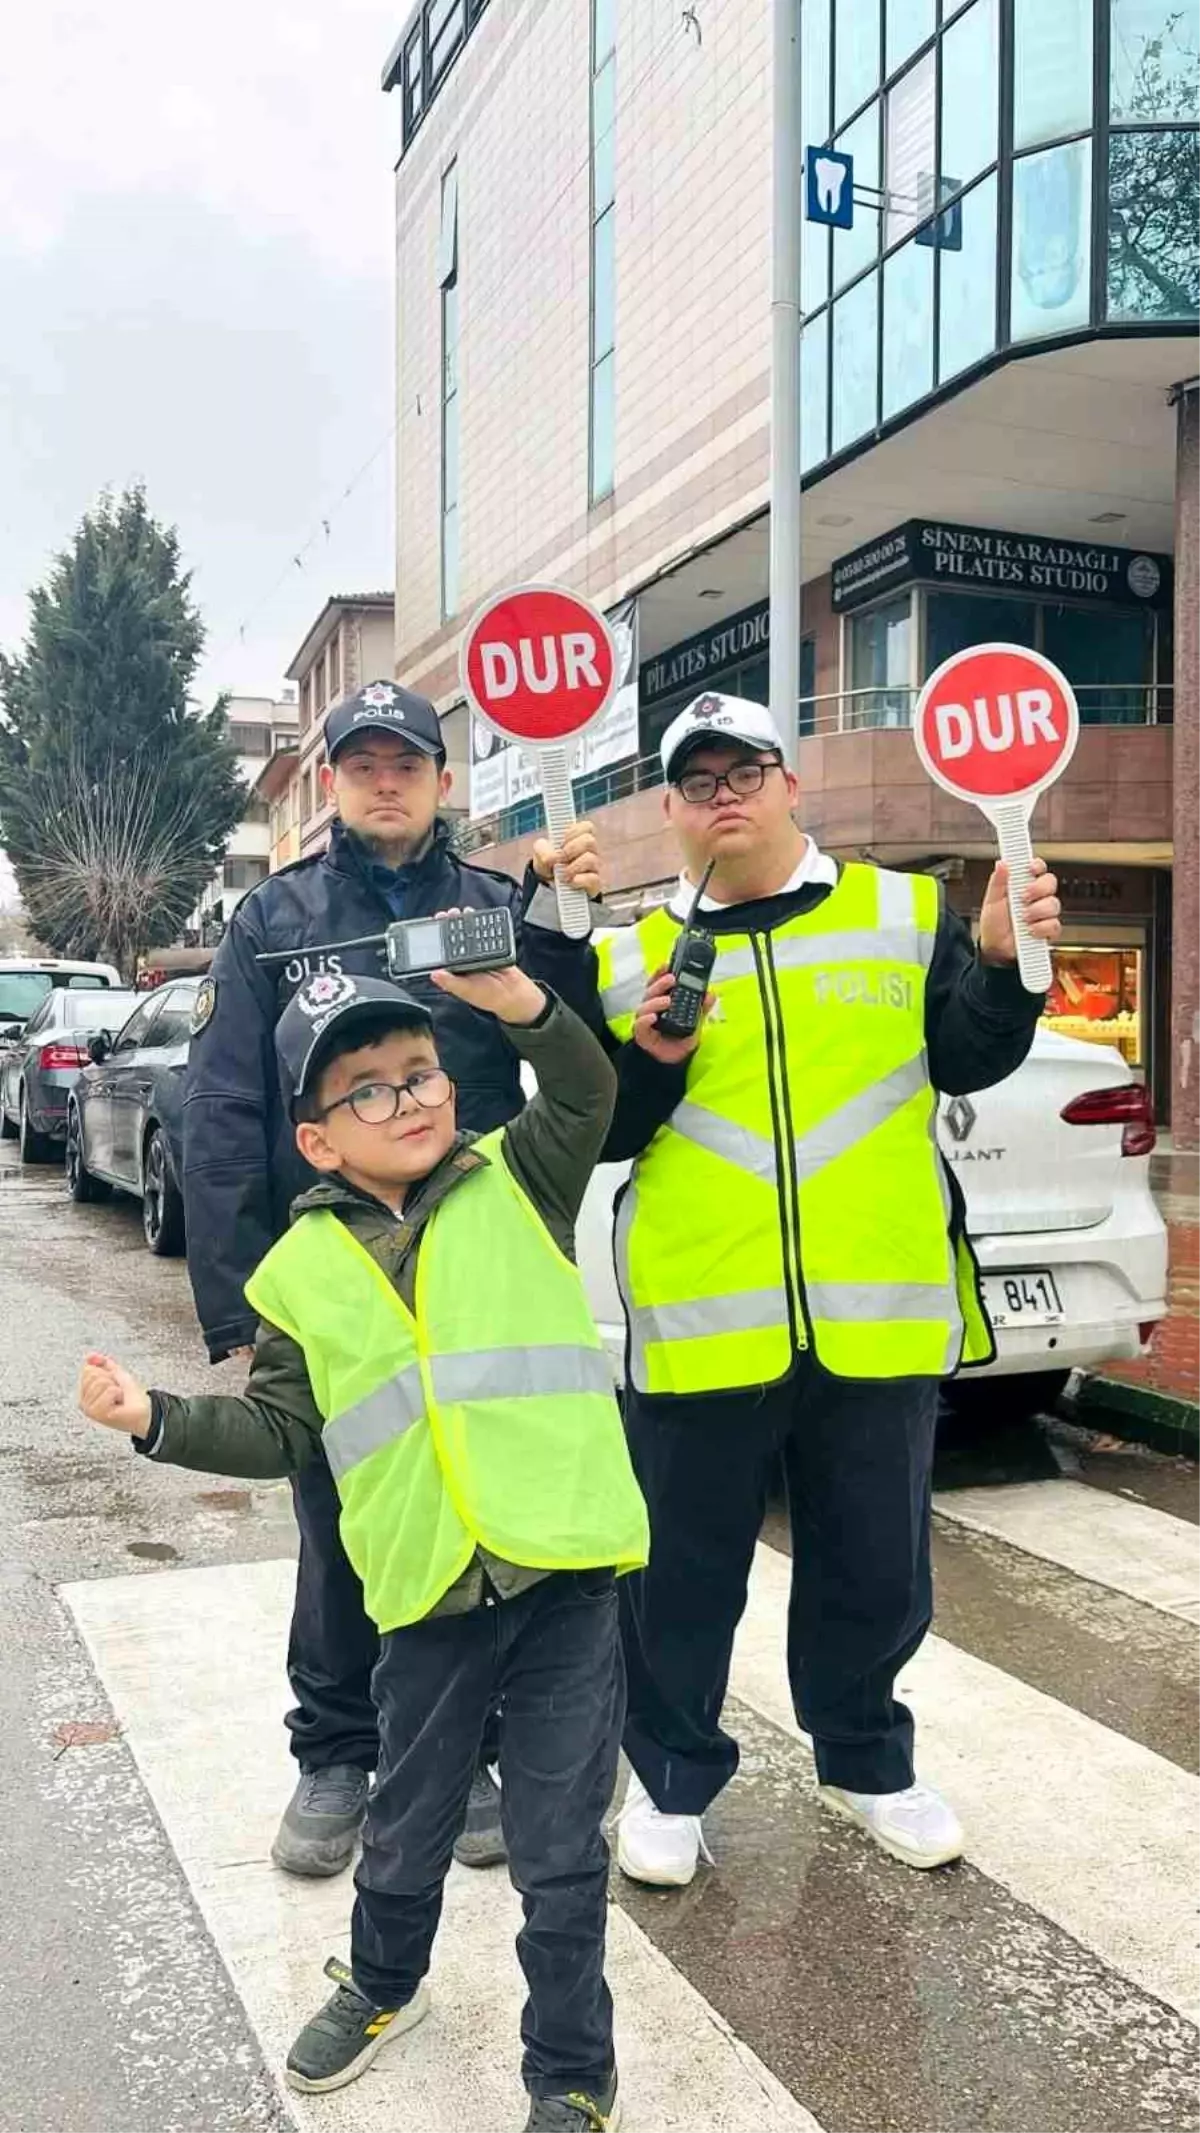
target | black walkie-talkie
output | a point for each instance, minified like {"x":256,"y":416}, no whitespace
{"x":692,"y":960}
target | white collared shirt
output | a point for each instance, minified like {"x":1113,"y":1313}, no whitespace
{"x":815,"y":868}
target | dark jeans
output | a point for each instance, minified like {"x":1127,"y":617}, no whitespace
{"x":857,"y":1459}
{"x":333,"y":1645}
{"x":552,"y":1658}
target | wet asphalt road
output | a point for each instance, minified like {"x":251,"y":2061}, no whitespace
{"x":117,"y":2013}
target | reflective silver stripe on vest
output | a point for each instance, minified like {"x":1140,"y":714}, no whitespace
{"x":747,"y":1151}
{"x":868,"y":1302}
{"x":623,"y":993}
{"x":851,"y":1123}
{"x":749,"y":1311}
{"x":879,"y":944}
{"x":520,"y":1373}
{"x":733,"y":963}
{"x":371,"y":1423}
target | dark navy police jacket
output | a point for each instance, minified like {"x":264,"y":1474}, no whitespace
{"x":241,"y":1169}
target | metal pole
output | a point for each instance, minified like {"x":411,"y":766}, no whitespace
{"x":786,"y":326}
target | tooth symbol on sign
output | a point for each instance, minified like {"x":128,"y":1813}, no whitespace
{"x":831,"y":177}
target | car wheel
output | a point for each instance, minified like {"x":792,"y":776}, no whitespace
{"x":986,"y":1406}
{"x":81,"y":1185}
{"x":35,"y":1146}
{"x":162,"y":1203}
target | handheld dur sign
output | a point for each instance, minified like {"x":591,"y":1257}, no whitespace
{"x":996,"y":725}
{"x":539,"y":666}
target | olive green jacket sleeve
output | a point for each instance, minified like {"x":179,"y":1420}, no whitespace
{"x":271,"y":1430}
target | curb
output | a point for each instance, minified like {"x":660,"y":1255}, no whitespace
{"x":1160,"y":1419}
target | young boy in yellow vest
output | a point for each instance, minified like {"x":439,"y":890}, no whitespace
{"x":423,"y":1320}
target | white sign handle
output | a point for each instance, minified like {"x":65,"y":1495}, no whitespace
{"x":574,"y":911}
{"x":1011,"y":824}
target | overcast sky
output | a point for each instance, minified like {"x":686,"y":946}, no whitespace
{"x":196,"y":219}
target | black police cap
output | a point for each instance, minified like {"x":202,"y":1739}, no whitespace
{"x":384,"y":707}
{"x":331,"y":1003}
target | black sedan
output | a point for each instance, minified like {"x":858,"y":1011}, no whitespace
{"x":125,"y":1114}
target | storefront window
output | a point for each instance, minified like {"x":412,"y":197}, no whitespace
{"x":970,"y":95}
{"x":854,"y":249}
{"x":857,"y":56}
{"x":1051,"y":241}
{"x":814,"y":392}
{"x":1154,"y":60}
{"x":881,"y":665}
{"x":814,"y":70}
{"x":910,"y":148}
{"x":907,"y":326}
{"x":855,"y":361}
{"x":1154,"y":224}
{"x":1098,"y":996}
{"x":1107,"y":657}
{"x":1052,"y":70}
{"x":967,"y":325}
{"x":909,"y":23}
{"x":955,"y":621}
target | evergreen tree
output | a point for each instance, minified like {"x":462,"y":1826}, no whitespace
{"x":116,"y":799}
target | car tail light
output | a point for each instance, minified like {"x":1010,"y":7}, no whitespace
{"x":1130,"y":1106}
{"x":61,"y":1055}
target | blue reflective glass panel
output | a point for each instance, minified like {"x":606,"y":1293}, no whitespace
{"x":855,"y":361}
{"x":970,"y":94}
{"x":967,"y":324}
{"x":814,"y":393}
{"x":1154,"y":59}
{"x":1051,"y":238}
{"x":853,"y":249}
{"x":856,"y":56}
{"x":1153,"y":216}
{"x":907,"y":327}
{"x":1052,"y":70}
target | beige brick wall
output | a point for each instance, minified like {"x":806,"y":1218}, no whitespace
{"x":692,"y":191}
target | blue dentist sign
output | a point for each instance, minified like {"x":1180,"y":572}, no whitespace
{"x":829,"y":187}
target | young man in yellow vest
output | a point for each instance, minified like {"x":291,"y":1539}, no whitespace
{"x":423,"y":1323}
{"x":796,"y":1277}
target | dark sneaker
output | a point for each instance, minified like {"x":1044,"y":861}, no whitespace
{"x":322,"y":1820}
{"x":481,"y":1840}
{"x":339,"y":2043}
{"x":575,"y":2112}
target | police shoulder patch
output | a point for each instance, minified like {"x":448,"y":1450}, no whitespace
{"x":204,"y":1006}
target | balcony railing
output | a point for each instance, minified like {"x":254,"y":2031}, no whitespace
{"x":871,"y":710}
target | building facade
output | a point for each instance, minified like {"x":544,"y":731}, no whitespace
{"x":999,"y":410}
{"x":258,"y":727}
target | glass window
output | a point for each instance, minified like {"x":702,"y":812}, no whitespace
{"x":135,"y":1029}
{"x":604,"y":415}
{"x":1051,"y":237}
{"x":814,"y":265}
{"x":855,"y":361}
{"x":1153,"y":69}
{"x":954,"y":621}
{"x":604,"y":29}
{"x":1098,"y":997}
{"x":881,"y":665}
{"x":21,"y":991}
{"x":855,"y":248}
{"x":1052,"y":69}
{"x":907,"y":327}
{"x":450,"y":453}
{"x":450,"y":561}
{"x":909,"y":23}
{"x":1153,"y":216}
{"x":814,"y":71}
{"x":1107,"y":656}
{"x":604,"y":104}
{"x":910,"y":148}
{"x":174,"y":1020}
{"x":967,"y":317}
{"x":970,"y":95}
{"x":603,"y":284}
{"x":450,"y":340}
{"x":814,"y":392}
{"x":856,"y":50}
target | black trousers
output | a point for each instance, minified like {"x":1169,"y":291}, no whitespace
{"x":333,"y":1646}
{"x":857,"y":1459}
{"x":552,"y":1658}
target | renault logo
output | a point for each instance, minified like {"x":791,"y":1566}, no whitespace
{"x":959,"y":1115}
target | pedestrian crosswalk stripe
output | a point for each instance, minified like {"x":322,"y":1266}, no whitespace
{"x":1089,"y":1828}
{"x":1129,"y":1547}
{"x":213,"y":1755}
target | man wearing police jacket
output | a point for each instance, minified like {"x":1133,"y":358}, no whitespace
{"x":795,"y":1274}
{"x":389,"y":857}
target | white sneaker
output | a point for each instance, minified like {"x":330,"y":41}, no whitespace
{"x":916,"y":1825}
{"x":660,"y":1849}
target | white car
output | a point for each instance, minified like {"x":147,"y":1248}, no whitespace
{"x":1054,"y":1164}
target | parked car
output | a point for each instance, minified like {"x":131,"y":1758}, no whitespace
{"x":125,"y":1114}
{"x":39,"y":1065}
{"x":26,"y":979}
{"x":1054,"y":1165}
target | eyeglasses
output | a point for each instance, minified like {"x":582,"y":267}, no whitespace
{"x":700,"y":786}
{"x":378,"y":1101}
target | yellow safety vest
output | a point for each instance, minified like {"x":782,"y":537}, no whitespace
{"x":487,"y":1419}
{"x":796,"y":1196}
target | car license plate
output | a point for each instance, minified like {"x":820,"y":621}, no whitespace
{"x":1030,"y":1299}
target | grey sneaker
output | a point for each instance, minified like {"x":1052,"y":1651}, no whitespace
{"x":322,"y":1820}
{"x":481,"y":1839}
{"x":340,"y":2042}
{"x":576,"y":2112}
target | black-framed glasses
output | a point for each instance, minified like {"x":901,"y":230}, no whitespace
{"x":376,"y":1102}
{"x":742,"y":779}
